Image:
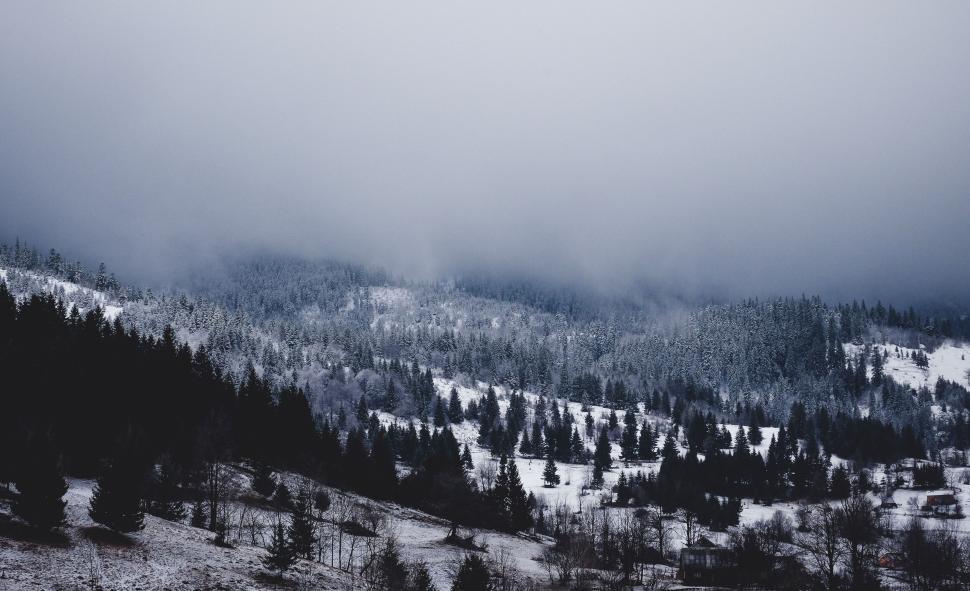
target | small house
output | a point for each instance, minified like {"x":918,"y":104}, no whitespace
{"x":943,"y":504}
{"x":888,"y":504}
{"x":706,"y":563}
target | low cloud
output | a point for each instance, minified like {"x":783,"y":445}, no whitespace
{"x":749,"y":148}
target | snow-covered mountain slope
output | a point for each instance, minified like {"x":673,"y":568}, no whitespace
{"x":23,"y":283}
{"x":574,"y":489}
{"x":950,"y":361}
{"x":167,"y":555}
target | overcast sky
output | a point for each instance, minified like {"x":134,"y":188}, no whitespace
{"x":762,"y":148}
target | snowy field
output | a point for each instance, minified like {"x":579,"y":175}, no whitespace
{"x":951,"y":361}
{"x":168,"y":555}
{"x":165,"y":555}
{"x":573,"y":477}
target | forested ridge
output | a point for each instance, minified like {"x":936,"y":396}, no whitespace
{"x":289,"y":315}
{"x":300,"y":323}
{"x":160,"y":399}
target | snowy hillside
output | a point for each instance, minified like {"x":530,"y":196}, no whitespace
{"x":23,"y":283}
{"x":574,"y":489}
{"x":950,"y":361}
{"x":170,"y":555}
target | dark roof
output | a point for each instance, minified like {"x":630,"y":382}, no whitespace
{"x":704,"y":542}
{"x":941,"y":499}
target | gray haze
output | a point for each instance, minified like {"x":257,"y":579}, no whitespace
{"x":758,"y":148}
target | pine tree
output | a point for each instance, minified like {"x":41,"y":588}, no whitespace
{"x":301,"y":531}
{"x":539,"y":447}
{"x":602,"y":457}
{"x":420,"y":578}
{"x":525,"y":447}
{"x":199,"y":517}
{"x":281,"y":555}
{"x":466,"y":458}
{"x":741,"y":448}
{"x":670,"y":451}
{"x":755,"y":436}
{"x":473,"y":575}
{"x":840,"y":487}
{"x":622,"y":490}
{"x":166,"y":502}
{"x":577,"y":449}
{"x":282,"y":497}
{"x":41,"y":486}
{"x":877,"y":369}
{"x":550,"y":475}
{"x":117,"y":499}
{"x":628,"y":444}
{"x":455,"y":413}
{"x":382,"y":473}
{"x":646,"y":448}
{"x":391,"y":398}
{"x":263,"y":481}
{"x":518,"y":500}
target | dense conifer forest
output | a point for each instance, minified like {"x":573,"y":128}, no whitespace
{"x":158,"y":396}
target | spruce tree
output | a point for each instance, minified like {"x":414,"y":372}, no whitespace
{"x":877,"y":369}
{"x":281,"y":556}
{"x":628,"y":444}
{"x":439,"y":412}
{"x":576,"y":448}
{"x":166,"y":500}
{"x":117,"y":499}
{"x":473,"y":575}
{"x":263,"y":481}
{"x":41,"y":486}
{"x":301,"y":531}
{"x":754,"y":433}
{"x":602,"y":457}
{"x":646,"y":448}
{"x":670,"y":451}
{"x":550,"y":475}
{"x":391,"y":399}
{"x":840,"y":487}
{"x":420,"y":578}
{"x":741,"y":448}
{"x":539,"y":447}
{"x":362,"y":412}
{"x":455,"y":413}
{"x":198,"y":518}
{"x":282,"y":497}
{"x":525,"y":448}
{"x":466,"y":458}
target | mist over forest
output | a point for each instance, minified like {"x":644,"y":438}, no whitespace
{"x":697,"y":151}
{"x":433,"y":296}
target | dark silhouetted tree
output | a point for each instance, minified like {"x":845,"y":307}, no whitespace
{"x":281,"y":555}
{"x":41,"y":485}
{"x":473,"y":575}
{"x":550,"y":475}
{"x":117,"y":499}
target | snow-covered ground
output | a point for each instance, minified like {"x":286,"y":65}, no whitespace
{"x":572,"y":490}
{"x":168,"y":555}
{"x":70,"y":291}
{"x":165,"y":555}
{"x":951,"y":361}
